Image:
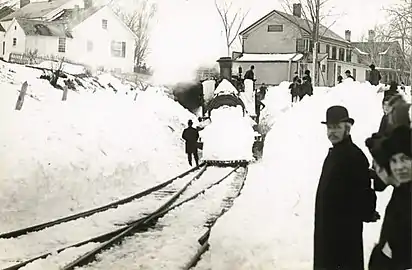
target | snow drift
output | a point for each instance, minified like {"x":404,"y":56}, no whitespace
{"x":62,"y":157}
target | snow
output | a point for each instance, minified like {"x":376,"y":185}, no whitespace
{"x":229,"y":136}
{"x":58,"y":157}
{"x":225,"y":87}
{"x":253,"y":57}
{"x":248,"y":97}
{"x":270,"y":225}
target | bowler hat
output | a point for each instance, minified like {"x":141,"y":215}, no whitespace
{"x":336,"y":115}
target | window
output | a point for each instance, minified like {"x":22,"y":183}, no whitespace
{"x":62,"y":45}
{"x":339,"y":71}
{"x":275,"y":28}
{"x":341,"y":54}
{"x":354,"y":74}
{"x":104,"y":24}
{"x":118,"y":49}
{"x":348,"y":55}
{"x":323,"y":68}
{"x":15,"y":27}
{"x":89,"y":46}
{"x":311,"y":46}
{"x":334,"y":53}
{"x":328,"y":50}
{"x":14,"y":42}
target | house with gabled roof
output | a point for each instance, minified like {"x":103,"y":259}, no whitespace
{"x":387,"y":56}
{"x":279,"y":44}
{"x":76,"y":30}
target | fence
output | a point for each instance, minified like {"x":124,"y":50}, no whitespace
{"x":30,"y":59}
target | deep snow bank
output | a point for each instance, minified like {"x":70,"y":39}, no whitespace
{"x":57,"y":157}
{"x":271,"y":225}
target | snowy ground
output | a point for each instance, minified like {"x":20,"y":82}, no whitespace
{"x":271,"y":225}
{"x":170,"y":245}
{"x":58,"y":157}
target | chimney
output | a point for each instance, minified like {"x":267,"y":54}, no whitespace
{"x":24,"y":2}
{"x":347,"y":35}
{"x":88,"y":4}
{"x":225,"y":66}
{"x":371,"y":36}
{"x":297,"y":10}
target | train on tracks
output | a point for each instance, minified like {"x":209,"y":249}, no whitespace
{"x":231,"y":94}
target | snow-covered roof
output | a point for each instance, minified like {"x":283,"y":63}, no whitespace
{"x":360,"y":52}
{"x":269,"y":57}
{"x":385,"y":52}
{"x":35,"y":10}
{"x":40,"y":28}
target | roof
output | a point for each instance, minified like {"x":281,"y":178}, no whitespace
{"x":365,"y":47}
{"x":69,"y":15}
{"x":39,"y":28}
{"x":269,"y":57}
{"x":5,"y":11}
{"x":300,"y":22}
{"x":36,"y":10}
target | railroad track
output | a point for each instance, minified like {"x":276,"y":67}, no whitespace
{"x":175,"y":199}
{"x":108,"y":216}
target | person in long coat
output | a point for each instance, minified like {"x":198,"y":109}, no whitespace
{"x":344,"y":199}
{"x":191,"y":136}
{"x":393,"y":158}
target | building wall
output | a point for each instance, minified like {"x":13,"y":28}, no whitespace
{"x":14,"y":31}
{"x":259,"y":40}
{"x":360,"y":71}
{"x":271,"y":73}
{"x":100,"y":55}
{"x":45,"y":45}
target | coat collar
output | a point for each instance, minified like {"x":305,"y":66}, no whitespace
{"x":344,"y":142}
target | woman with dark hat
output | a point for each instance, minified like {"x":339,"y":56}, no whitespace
{"x":393,"y":161}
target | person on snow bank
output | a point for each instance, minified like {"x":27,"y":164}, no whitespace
{"x":344,"y":198}
{"x":191,"y":135}
{"x":374,"y":76}
{"x":349,"y":76}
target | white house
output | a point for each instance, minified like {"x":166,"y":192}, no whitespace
{"x":76,"y":30}
{"x":280,"y":44}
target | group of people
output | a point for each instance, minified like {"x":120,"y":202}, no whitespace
{"x":345,"y":198}
{"x":301,"y":87}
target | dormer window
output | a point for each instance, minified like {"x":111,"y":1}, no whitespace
{"x":104,"y":24}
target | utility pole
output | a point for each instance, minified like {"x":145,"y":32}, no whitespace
{"x":315,"y":36}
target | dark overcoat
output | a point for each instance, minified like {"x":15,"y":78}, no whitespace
{"x":344,"y":199}
{"x":396,"y":230}
{"x":190,"y":135}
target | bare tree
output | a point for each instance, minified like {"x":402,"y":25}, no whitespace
{"x":232,"y":21}
{"x":314,"y":14}
{"x":400,"y":29}
{"x":138,"y":20}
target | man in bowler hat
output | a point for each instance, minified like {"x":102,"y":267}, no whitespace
{"x":344,"y":198}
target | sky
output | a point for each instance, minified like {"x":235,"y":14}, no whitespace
{"x":189,"y":33}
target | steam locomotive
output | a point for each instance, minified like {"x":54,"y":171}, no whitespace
{"x":231,"y":93}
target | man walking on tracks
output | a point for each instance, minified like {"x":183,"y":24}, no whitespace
{"x":191,"y":135}
{"x":344,"y":199}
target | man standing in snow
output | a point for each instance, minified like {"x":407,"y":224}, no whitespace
{"x":191,"y":135}
{"x":250,"y":74}
{"x":374,"y":76}
{"x":344,"y":198}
